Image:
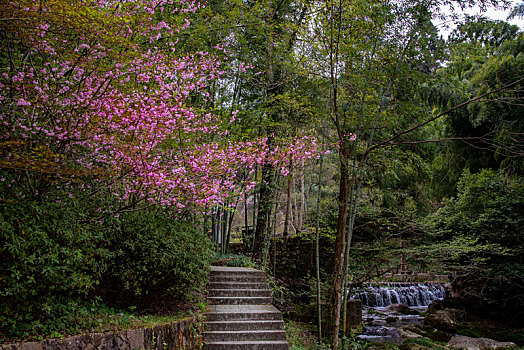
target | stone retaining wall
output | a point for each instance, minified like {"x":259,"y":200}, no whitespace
{"x":183,"y":334}
{"x":295,"y":255}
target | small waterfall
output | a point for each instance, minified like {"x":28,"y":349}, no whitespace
{"x":420,"y":294}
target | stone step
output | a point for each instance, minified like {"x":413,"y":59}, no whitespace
{"x":238,"y":278}
{"x":239,"y":293}
{"x":244,"y":325}
{"x":234,"y":270}
{"x":244,"y":345}
{"x":242,"y":313}
{"x":237,"y":285}
{"x":239,"y":300}
{"x":256,"y":335}
{"x":238,"y":272}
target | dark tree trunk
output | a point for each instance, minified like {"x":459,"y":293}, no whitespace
{"x":288,"y":200}
{"x":340,"y":242}
{"x":264,"y":209}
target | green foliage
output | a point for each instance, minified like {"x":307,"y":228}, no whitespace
{"x":480,"y":30}
{"x":157,"y":257}
{"x":53,"y":264}
{"x":301,"y":337}
{"x":426,"y":342}
{"x":47,"y":260}
{"x":480,"y":235}
{"x":484,"y":55}
{"x":351,"y":341}
{"x":488,"y":206}
{"x":234,"y":260}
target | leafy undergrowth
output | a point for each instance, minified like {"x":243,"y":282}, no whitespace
{"x":301,"y":336}
{"x":82,"y":318}
{"x":232,"y":260}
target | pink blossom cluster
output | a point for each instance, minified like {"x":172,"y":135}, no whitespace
{"x":116,"y":102}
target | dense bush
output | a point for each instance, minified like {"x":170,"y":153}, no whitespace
{"x":53,"y":262}
{"x":480,"y":232}
{"x":47,"y":260}
{"x":156,"y":258}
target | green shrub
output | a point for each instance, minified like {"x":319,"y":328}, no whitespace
{"x":156,"y":258}
{"x":232,"y":260}
{"x":480,"y":231}
{"x":425,"y":342}
{"x":48,"y":260}
{"x":53,"y":260}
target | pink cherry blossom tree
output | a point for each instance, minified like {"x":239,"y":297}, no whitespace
{"x":97,"y":89}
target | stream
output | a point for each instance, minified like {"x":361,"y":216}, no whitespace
{"x":382,"y":321}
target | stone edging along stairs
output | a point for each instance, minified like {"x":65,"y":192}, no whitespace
{"x":240,"y":313}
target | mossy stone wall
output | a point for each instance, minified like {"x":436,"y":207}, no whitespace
{"x":183,"y":334}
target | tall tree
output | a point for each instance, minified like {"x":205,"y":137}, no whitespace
{"x":373,"y":57}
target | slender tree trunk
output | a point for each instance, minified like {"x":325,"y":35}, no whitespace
{"x":206,"y":219}
{"x":288,"y":203}
{"x":270,"y":229}
{"x":353,"y":214}
{"x":223,"y":229}
{"x":302,"y":199}
{"x":254,"y":221}
{"x":317,"y":251}
{"x":295,"y":206}
{"x":230,"y":224}
{"x":213,"y":228}
{"x":275,"y":239}
{"x":340,"y":243}
{"x":246,"y":223}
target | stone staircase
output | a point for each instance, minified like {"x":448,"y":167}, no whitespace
{"x":240,"y":312}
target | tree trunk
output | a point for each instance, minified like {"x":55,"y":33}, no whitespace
{"x":225,"y":216}
{"x":206,"y":230}
{"x":288,"y":202}
{"x":302,"y":199}
{"x":340,"y":242}
{"x":295,"y":206}
{"x":246,"y":222}
{"x":264,"y":209}
{"x":317,"y":251}
{"x":352,"y":216}
{"x":254,"y":219}
{"x":230,"y":224}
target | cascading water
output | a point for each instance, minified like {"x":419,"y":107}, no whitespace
{"x":420,"y":294}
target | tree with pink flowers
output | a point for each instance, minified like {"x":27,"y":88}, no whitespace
{"x":100,"y":90}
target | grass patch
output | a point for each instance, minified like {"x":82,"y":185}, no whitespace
{"x":83,"y":318}
{"x":426,"y":342}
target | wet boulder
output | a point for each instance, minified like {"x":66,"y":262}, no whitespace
{"x":447,"y":320}
{"x":463,"y":342}
{"x":426,"y":331}
{"x":401,"y":309}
